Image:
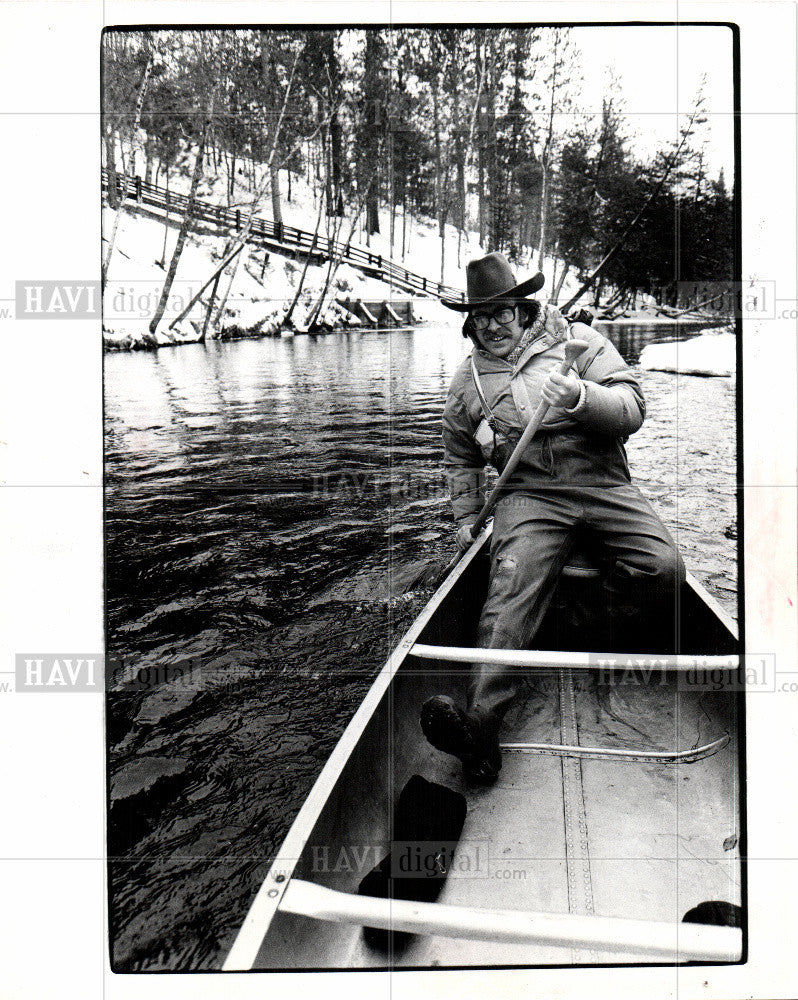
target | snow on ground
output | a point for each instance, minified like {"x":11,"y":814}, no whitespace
{"x":711,"y":353}
{"x":261,"y":295}
{"x":422,"y":243}
{"x":258,"y":300}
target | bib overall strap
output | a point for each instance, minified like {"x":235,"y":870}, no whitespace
{"x":488,"y":412}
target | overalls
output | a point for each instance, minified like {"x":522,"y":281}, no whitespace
{"x":572,"y":479}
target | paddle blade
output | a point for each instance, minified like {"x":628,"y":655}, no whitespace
{"x":427,"y":824}
{"x":422,"y":574}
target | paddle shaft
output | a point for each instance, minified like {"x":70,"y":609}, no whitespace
{"x":573,"y":349}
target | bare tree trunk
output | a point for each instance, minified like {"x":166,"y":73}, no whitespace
{"x":150,"y":153}
{"x":466,"y":156}
{"x":440,"y":200}
{"x":209,"y":310}
{"x":545,"y":160}
{"x":298,"y":292}
{"x":270,"y":82}
{"x":277,"y":212}
{"x":442,"y":233}
{"x":404,"y":220}
{"x":332,"y":263}
{"x":185,"y":224}
{"x":218,"y":325}
{"x":133,"y":131}
{"x":165,"y":221}
{"x":226,"y":258}
{"x":392,"y":196}
{"x":544,"y":213}
{"x":242,"y":236}
{"x":494,"y":206}
{"x":134,"y":136}
{"x":112,"y":241}
{"x":560,"y":283}
{"x":335,"y":260}
{"x":481,"y":195}
{"x":110,"y":167}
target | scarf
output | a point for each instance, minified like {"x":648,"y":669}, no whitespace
{"x":532,"y":332}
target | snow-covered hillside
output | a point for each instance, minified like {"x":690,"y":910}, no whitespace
{"x":262,"y":290}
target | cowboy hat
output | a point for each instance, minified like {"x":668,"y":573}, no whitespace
{"x":491,"y":279}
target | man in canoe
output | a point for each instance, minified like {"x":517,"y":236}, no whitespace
{"x":572,"y":477}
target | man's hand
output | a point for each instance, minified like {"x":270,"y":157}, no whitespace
{"x":463,"y":537}
{"x":561,"y":390}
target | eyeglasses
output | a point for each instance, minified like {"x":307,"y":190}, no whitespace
{"x":502,"y":316}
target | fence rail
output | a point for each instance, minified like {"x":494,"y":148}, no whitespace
{"x":264,"y":232}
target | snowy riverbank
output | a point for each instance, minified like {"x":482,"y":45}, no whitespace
{"x":713,"y":353}
{"x":262,"y":292}
{"x":261,"y":296}
{"x":265,"y":284}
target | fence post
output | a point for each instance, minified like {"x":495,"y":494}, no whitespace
{"x":278,"y":231}
{"x":424,"y":284}
{"x":238,"y":218}
{"x":138,"y":189}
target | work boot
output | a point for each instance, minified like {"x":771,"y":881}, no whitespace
{"x":465,"y":735}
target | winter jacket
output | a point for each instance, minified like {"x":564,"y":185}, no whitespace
{"x":578,"y":446}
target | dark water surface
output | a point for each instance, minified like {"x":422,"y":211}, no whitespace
{"x":264,"y":502}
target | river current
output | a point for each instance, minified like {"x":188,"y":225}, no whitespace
{"x":265,"y":502}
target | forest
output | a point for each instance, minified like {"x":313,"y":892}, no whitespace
{"x":477,"y":128}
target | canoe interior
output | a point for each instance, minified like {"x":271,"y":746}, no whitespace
{"x":658,"y":839}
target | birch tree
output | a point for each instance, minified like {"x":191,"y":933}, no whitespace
{"x":133,"y":132}
{"x":185,"y":225}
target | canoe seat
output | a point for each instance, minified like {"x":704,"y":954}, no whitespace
{"x":581,"y":566}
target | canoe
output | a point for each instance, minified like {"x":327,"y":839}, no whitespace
{"x":617,"y":809}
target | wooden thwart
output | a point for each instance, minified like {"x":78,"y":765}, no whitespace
{"x":653,"y":939}
{"x":554,"y":659}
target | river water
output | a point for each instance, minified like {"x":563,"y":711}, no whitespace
{"x":265,"y":502}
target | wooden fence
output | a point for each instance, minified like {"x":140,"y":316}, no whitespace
{"x":278,"y":236}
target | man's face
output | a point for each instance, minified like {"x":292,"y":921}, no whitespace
{"x":498,"y":329}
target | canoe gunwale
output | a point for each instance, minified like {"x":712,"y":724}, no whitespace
{"x":253,"y":931}
{"x":275,"y":893}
